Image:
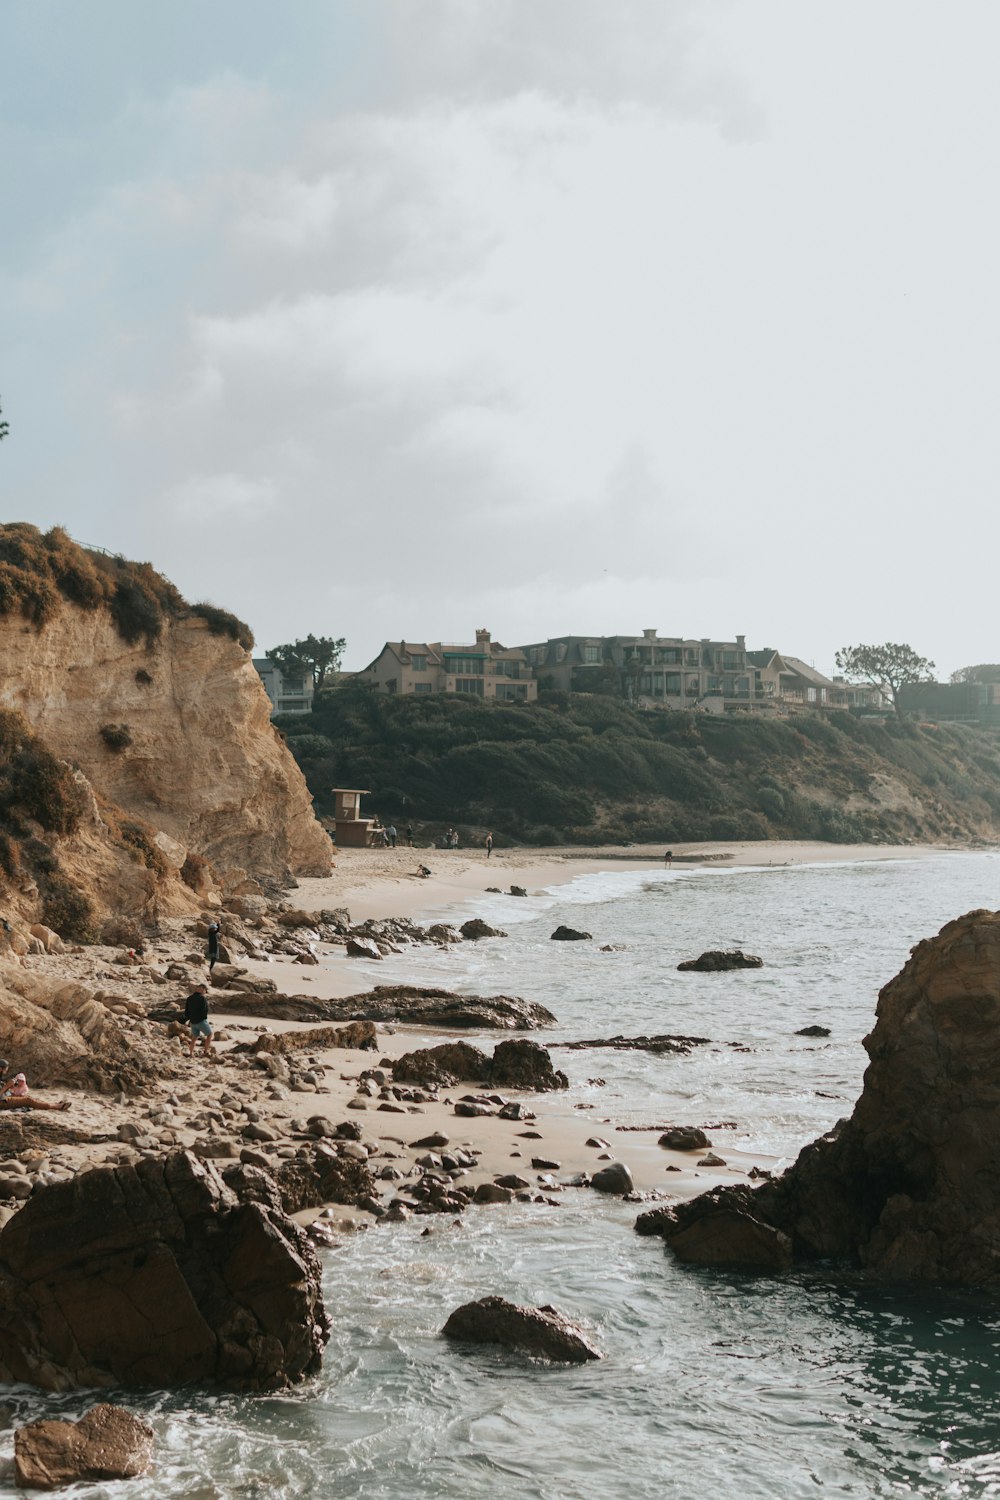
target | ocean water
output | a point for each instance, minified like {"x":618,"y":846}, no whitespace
{"x":712,"y":1384}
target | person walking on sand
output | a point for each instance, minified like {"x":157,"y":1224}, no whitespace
{"x":212,"y":946}
{"x":393,"y":835}
{"x":196,"y":1016}
{"x":489,"y":845}
{"x":14,"y":1092}
{"x":409,"y":835}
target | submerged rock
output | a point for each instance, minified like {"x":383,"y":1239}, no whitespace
{"x":665,"y":1043}
{"x":909,"y":1186}
{"x":420,"y":1004}
{"x":716,"y":960}
{"x":107,"y":1442}
{"x":540,"y":1331}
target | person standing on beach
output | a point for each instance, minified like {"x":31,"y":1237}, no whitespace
{"x":489,"y":845}
{"x":409,"y":835}
{"x":212,"y":946}
{"x":668,"y":858}
{"x":196,"y":1016}
{"x":393,"y":835}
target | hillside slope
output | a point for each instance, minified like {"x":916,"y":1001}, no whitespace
{"x":584,"y":769}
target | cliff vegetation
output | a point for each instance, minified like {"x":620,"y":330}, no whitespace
{"x":585,"y":769}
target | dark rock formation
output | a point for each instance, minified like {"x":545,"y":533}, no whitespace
{"x":665,"y":1043}
{"x":539,"y":1331}
{"x":684,"y":1138}
{"x":476,"y":928}
{"x":525,"y":1065}
{"x":156,"y":1275}
{"x":315,"y":1175}
{"x":615,"y":1178}
{"x":108,"y":1442}
{"x":518,"y":890}
{"x":716,"y":960}
{"x":565,"y":934}
{"x":814,"y":1031}
{"x":909,"y":1186}
{"x":520,"y":1064}
{"x":437,"y":1067}
{"x":421,"y":1005}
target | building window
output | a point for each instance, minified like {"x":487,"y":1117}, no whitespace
{"x":465,"y":664}
{"x":423,"y":687}
{"x":591,"y":653}
{"x":670,"y":656}
{"x":507,"y":668}
{"x":511,"y":692}
{"x":673,"y":682}
{"x":473,"y":685}
{"x":418,"y":663}
{"x":390,"y":686}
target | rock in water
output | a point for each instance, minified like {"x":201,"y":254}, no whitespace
{"x":613,"y":1179}
{"x":909,"y":1186}
{"x":157,"y":1275}
{"x":716,"y":960}
{"x":540,"y":1331}
{"x":565,"y":934}
{"x":476,"y":928}
{"x":108,"y":1442}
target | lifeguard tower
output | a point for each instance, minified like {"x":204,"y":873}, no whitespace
{"x":352,"y":829}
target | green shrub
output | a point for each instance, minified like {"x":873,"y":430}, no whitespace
{"x":139,"y":839}
{"x":66,"y":909}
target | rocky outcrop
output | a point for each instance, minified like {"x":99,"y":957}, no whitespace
{"x":107,"y":1442}
{"x":565,"y":934}
{"x":156,"y":1275}
{"x":315,"y":1175}
{"x":63,"y":1034}
{"x":360,"y":1035}
{"x":539,"y":1331}
{"x":520,"y":1065}
{"x":684,"y":1138}
{"x":717,"y":960}
{"x":665,"y":1043}
{"x":399,"y":1002}
{"x":201,"y":763}
{"x":909,"y":1186}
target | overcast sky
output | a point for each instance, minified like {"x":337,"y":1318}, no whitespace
{"x":385,"y":318}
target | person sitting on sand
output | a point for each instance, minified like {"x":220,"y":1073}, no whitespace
{"x":14,"y":1092}
{"x":196,"y":1016}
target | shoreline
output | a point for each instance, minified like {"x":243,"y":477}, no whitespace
{"x":376,"y":883}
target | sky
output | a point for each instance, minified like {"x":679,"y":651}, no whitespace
{"x":401,"y":318}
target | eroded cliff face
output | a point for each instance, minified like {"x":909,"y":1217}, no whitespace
{"x":202,"y":762}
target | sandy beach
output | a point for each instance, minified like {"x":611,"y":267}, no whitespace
{"x":577,"y":1137}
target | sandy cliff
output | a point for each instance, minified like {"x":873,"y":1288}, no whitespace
{"x":204,"y":763}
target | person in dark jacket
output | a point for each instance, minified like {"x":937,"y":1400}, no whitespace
{"x":212,"y":946}
{"x":196,"y":1016}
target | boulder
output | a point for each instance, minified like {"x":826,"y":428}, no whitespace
{"x":717,"y":960}
{"x":437,"y":1067}
{"x":539,"y":1331}
{"x":909,"y":1187}
{"x":564,"y":934}
{"x":158,"y":1274}
{"x":107,"y":1442}
{"x":362,"y":947}
{"x":476,"y":928}
{"x":615,"y":1178}
{"x":441,"y":932}
{"x":525,"y":1065}
{"x":518,"y":890}
{"x":814,"y":1031}
{"x":684,"y":1138}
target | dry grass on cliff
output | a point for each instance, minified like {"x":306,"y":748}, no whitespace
{"x":38,"y":571}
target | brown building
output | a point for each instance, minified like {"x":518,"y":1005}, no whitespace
{"x":787,"y":683}
{"x":483,"y":670}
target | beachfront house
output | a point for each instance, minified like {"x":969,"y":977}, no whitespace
{"x":289,"y":692}
{"x":650,"y":670}
{"x":484,"y":669}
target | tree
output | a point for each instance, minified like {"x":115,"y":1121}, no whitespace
{"x":985,"y":672}
{"x":888,"y":667}
{"x":317,"y":655}
{"x":4,"y":427}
